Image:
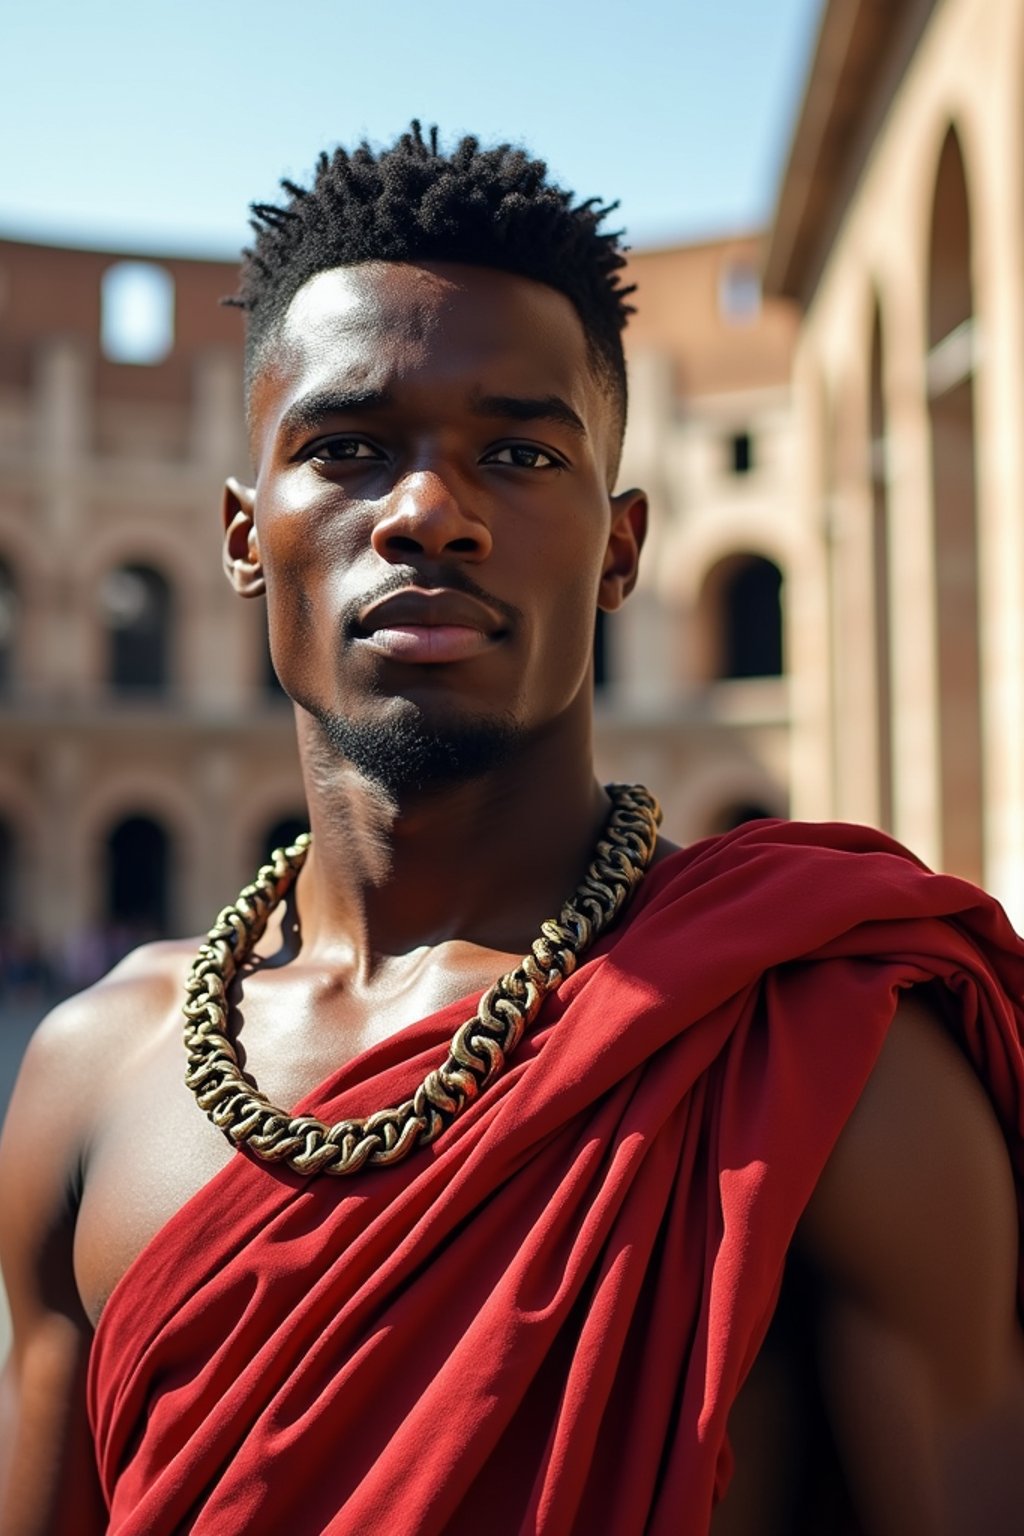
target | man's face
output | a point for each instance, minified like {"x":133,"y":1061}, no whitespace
{"x":431,"y":514}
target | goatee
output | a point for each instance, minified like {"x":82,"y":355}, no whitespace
{"x":407,"y":754}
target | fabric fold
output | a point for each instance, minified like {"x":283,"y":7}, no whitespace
{"x":539,"y":1323}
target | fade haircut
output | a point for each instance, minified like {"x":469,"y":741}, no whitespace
{"x":413,"y":202}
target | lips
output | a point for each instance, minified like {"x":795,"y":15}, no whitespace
{"x":429,"y":626}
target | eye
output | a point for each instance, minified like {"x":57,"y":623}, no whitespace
{"x":335,"y":450}
{"x":523,"y":456}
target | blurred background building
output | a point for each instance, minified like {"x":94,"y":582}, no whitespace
{"x":146,"y":751}
{"x":148,"y":759}
{"x":900,"y":233}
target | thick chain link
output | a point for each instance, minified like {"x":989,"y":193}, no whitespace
{"x":479,"y":1048}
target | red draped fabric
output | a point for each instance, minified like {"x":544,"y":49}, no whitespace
{"x":539,"y":1324}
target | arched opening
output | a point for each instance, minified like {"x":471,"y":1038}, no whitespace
{"x":950,"y":375}
{"x":738,"y":813}
{"x":8,"y":625}
{"x":881,"y":580}
{"x":137,"y":605}
{"x":741,"y":613}
{"x":282,"y":832}
{"x":138,"y":894}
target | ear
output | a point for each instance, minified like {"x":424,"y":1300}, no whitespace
{"x":241,"y":546}
{"x":622,"y":555}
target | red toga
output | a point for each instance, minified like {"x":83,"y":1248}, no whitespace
{"x":539,"y":1324}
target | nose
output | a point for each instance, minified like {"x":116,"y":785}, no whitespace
{"x":425,"y":516}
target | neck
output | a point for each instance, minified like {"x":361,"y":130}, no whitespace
{"x":482,"y":861}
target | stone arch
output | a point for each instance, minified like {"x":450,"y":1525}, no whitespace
{"x":739,"y":619}
{"x":718,"y":792}
{"x":283,"y":830}
{"x":276,"y":802}
{"x":699,"y":546}
{"x":180,"y":563}
{"x":146,"y":543}
{"x":736,"y":813}
{"x":146,"y":794}
{"x":950,"y":376}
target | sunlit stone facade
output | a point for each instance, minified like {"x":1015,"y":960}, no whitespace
{"x":900,"y":232}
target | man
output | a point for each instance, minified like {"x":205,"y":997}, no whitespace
{"x":511,"y":1262}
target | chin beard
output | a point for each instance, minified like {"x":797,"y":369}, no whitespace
{"x":407,"y":754}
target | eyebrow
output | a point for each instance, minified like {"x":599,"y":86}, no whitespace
{"x":524,"y":408}
{"x":310,"y":412}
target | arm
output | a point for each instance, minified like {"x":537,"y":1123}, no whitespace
{"x":913,"y":1230}
{"x":48,"y":1480}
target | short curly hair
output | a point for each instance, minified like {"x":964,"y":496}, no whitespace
{"x":411,"y":201}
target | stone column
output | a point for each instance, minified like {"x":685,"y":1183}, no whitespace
{"x":808,"y":643}
{"x":998,"y":259}
{"x":642,"y":638}
{"x":206,"y":882}
{"x":66,"y":865}
{"x":915,"y":682}
{"x":854,"y":679}
{"x":63,"y":429}
{"x":218,"y":449}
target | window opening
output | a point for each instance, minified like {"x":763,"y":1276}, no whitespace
{"x":137,"y":607}
{"x":741,"y":453}
{"x":136,"y":313}
{"x":138,"y":880}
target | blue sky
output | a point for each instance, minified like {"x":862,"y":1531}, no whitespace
{"x":151,"y":128}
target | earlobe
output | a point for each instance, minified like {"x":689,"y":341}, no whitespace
{"x":622,"y":555}
{"x":241,"y":543}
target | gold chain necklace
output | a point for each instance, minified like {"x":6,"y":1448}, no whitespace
{"x":478,"y":1050}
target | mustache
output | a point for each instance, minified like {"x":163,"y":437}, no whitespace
{"x":403,"y":577}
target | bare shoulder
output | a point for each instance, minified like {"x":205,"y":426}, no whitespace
{"x":914,"y":1232}
{"x":143,"y":980}
{"x":75,"y":1061}
{"x":90,"y":1035}
{"x":922,"y":1166}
